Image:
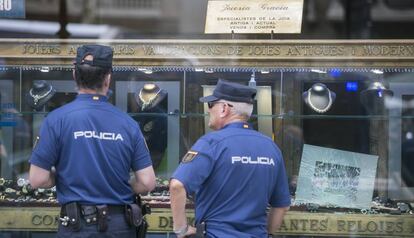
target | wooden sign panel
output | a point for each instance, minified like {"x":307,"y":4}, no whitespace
{"x":46,"y":219}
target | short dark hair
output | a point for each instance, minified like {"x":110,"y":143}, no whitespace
{"x":91,"y":73}
{"x":90,"y":77}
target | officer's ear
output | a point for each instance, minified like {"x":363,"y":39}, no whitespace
{"x":224,"y":111}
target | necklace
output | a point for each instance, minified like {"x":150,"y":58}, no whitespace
{"x":149,"y":101}
{"x":317,"y":109}
{"x":36,"y":98}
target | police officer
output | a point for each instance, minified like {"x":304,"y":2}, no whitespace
{"x":234,"y":173}
{"x":88,"y":147}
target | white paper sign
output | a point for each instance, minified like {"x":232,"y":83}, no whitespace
{"x":234,"y":16}
{"x":331,"y":177}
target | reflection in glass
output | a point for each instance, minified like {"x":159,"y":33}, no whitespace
{"x":407,"y":142}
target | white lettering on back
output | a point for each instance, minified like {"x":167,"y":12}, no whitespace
{"x":98,"y":135}
{"x":250,"y":160}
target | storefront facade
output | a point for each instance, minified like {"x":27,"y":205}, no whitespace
{"x":349,"y":161}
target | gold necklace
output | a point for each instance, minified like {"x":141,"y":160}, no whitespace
{"x":147,"y":103}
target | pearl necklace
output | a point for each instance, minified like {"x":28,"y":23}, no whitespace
{"x":36,"y":98}
{"x":317,"y":109}
{"x":147,"y":103}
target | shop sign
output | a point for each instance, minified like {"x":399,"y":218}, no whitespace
{"x":263,"y":16}
{"x":255,"y":49}
{"x":12,"y":9}
{"x":342,"y":224}
{"x":294,"y":223}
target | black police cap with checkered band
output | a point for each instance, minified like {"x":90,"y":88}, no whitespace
{"x":102,"y":55}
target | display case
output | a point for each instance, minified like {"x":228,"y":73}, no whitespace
{"x":341,"y":112}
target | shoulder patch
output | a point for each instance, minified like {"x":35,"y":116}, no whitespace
{"x":189,"y":156}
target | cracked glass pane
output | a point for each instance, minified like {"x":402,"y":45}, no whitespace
{"x":330,"y":177}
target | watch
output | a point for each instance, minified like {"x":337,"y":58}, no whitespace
{"x":182,"y":231}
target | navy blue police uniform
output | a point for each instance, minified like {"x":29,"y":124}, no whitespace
{"x":234,"y":173}
{"x":93,"y":146}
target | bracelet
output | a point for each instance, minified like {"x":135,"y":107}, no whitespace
{"x":182,"y":231}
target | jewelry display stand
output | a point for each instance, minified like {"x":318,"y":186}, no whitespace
{"x":373,"y":98}
{"x":152,"y":99}
{"x":149,"y":97}
{"x":319,"y":98}
{"x":39,"y":95}
{"x":62,"y":92}
{"x":161,"y":110}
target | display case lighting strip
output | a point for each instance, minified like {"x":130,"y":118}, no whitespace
{"x":44,"y":69}
{"x":318,"y":71}
{"x":261,"y":70}
{"x":377,"y":71}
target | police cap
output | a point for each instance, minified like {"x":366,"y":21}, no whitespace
{"x":231,"y":92}
{"x":102,"y":55}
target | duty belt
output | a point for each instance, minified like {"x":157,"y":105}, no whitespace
{"x":71,"y":214}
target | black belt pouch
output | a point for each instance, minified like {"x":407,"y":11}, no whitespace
{"x":133,"y":215}
{"x":102,"y":212}
{"x":73,"y":212}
